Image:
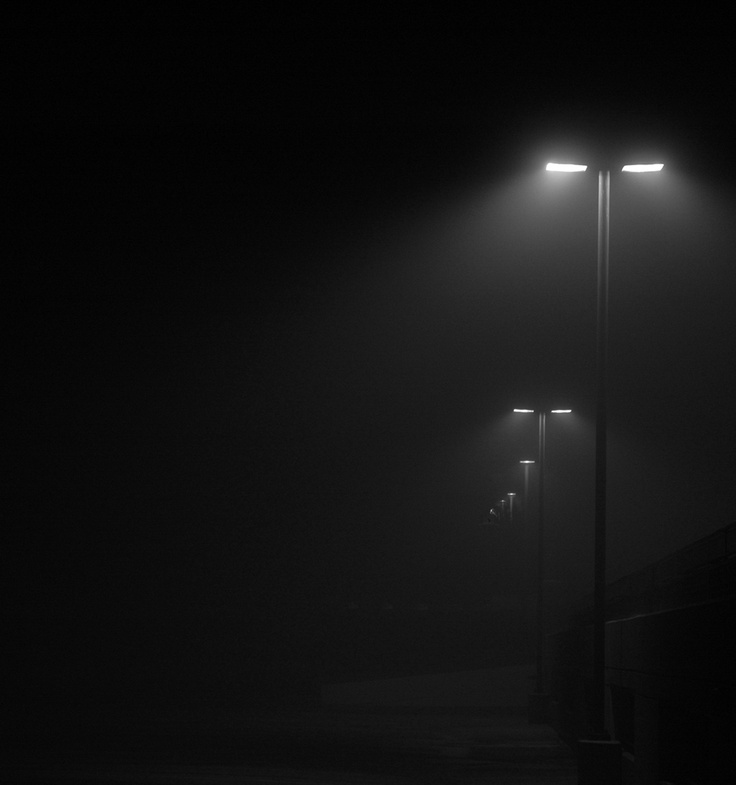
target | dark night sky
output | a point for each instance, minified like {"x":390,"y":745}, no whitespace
{"x":277,"y":281}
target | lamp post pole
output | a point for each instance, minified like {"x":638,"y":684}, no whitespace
{"x":539,"y":689}
{"x":598,"y":697}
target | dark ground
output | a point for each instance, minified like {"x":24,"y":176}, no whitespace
{"x":331,"y":746}
{"x":465,"y":726}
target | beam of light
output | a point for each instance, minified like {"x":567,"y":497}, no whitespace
{"x":566,"y":167}
{"x":643,"y":168}
{"x":524,"y":411}
{"x":561,"y":411}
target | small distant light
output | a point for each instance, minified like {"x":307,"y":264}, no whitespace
{"x":511,"y":493}
{"x":643,"y":168}
{"x":561,"y":411}
{"x":566,"y":167}
{"x":527,"y":461}
{"x":524,"y":411}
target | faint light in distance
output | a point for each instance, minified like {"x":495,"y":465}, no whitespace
{"x":527,"y":461}
{"x":566,"y":167}
{"x":643,"y":168}
{"x":524,"y":411}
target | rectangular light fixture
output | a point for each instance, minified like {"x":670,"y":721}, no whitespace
{"x":524,"y":411}
{"x":566,"y":167}
{"x":643,"y":168}
{"x":561,"y":411}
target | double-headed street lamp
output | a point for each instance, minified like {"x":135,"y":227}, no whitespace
{"x":599,"y":602}
{"x":539,"y":700}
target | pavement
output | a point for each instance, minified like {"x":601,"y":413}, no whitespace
{"x":466,"y":727}
{"x":504,"y":689}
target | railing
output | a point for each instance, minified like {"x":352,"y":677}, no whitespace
{"x":703,"y":571}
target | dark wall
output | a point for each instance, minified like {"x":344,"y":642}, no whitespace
{"x":670,"y":655}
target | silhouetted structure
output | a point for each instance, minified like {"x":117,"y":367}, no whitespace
{"x":670,"y":654}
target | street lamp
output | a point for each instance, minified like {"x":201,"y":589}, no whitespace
{"x":526,"y":464}
{"x":511,"y":495}
{"x":539,"y":700}
{"x":598,"y":698}
{"x":525,"y":504}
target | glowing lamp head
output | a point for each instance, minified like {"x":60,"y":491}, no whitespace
{"x":553,"y":167}
{"x":643,"y":168}
{"x":561,"y":411}
{"x":524,"y":411}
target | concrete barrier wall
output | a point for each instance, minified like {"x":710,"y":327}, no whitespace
{"x":670,"y":666}
{"x":672,"y":688}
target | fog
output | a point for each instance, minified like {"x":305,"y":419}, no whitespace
{"x":263,"y":363}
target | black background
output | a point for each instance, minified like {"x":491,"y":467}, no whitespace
{"x":276,"y":279}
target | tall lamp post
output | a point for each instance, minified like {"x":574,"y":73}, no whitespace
{"x":539,"y":700}
{"x":526,"y":464}
{"x":598,"y":698}
{"x":527,"y":539}
{"x":512,"y":496}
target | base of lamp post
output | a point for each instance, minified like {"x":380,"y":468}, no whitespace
{"x":599,"y":762}
{"x":539,"y":708}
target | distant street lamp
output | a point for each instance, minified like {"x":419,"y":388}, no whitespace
{"x":539,"y":700}
{"x":525,"y":506}
{"x":512,"y":496}
{"x":526,"y":534}
{"x":598,"y":698}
